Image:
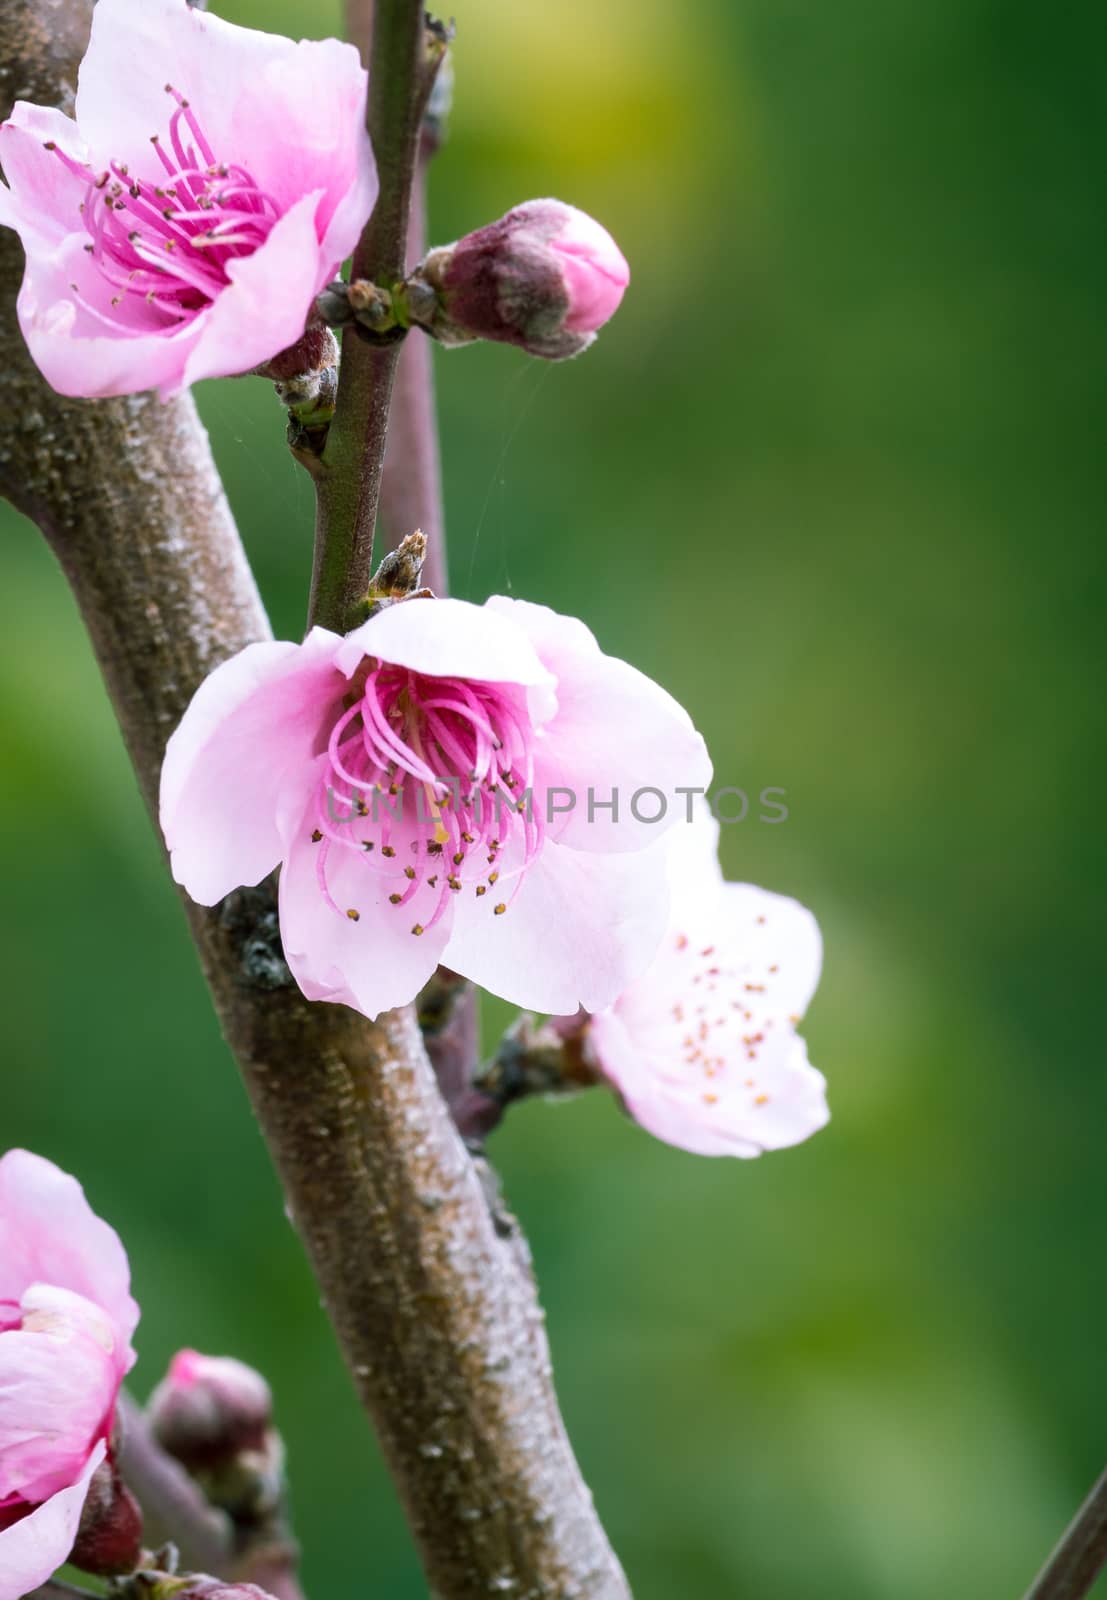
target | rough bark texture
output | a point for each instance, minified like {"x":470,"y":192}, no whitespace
{"x":428,"y":1288}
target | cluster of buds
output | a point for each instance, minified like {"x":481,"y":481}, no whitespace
{"x":215,"y":1416}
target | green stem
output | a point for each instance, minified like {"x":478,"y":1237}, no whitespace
{"x":1081,"y":1555}
{"x":402,"y":70}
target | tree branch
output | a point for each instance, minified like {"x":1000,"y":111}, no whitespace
{"x":1081,"y":1555}
{"x":429,"y":1292}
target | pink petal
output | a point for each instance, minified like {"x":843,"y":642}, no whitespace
{"x":580,"y":928}
{"x":136,"y":48}
{"x":42,"y":198}
{"x":49,"y":1234}
{"x":703,"y":1047}
{"x":38,"y":1544}
{"x":778,"y":934}
{"x":303,"y":116}
{"x":447,"y":638}
{"x":618,"y":1054}
{"x":693,"y":854}
{"x":615,"y":731}
{"x":375,"y":962}
{"x":292,"y":113}
{"x":595,"y":270}
{"x":266,"y":305}
{"x":58,"y":1382}
{"x":738,"y":1123}
{"x":250,"y":732}
{"x":70,"y":346}
{"x":776,"y":937}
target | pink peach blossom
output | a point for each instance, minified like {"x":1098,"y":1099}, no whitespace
{"x":703,"y":1048}
{"x":181,"y":226}
{"x":383,"y":770}
{"x":66,"y":1321}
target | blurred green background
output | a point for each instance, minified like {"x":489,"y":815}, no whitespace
{"x":833,"y":476}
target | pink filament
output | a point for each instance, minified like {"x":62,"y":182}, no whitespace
{"x":451,"y":761}
{"x":167,"y":245}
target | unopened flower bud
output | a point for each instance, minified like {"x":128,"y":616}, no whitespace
{"x":109,"y":1538}
{"x":315,"y":351}
{"x":545,"y":277}
{"x":209,"y":1408}
{"x":399,"y":573}
{"x":215,"y":1415}
{"x":333,"y":304}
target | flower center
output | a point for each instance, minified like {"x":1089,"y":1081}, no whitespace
{"x":167,"y":245}
{"x":429,"y":780}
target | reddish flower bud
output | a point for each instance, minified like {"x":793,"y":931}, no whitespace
{"x":210,"y":1408}
{"x":109,"y":1538}
{"x":544,"y":277}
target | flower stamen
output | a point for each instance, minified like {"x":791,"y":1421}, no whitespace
{"x":445,"y":761}
{"x":165,"y":247}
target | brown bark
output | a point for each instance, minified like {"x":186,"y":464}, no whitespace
{"x":429,"y":1291}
